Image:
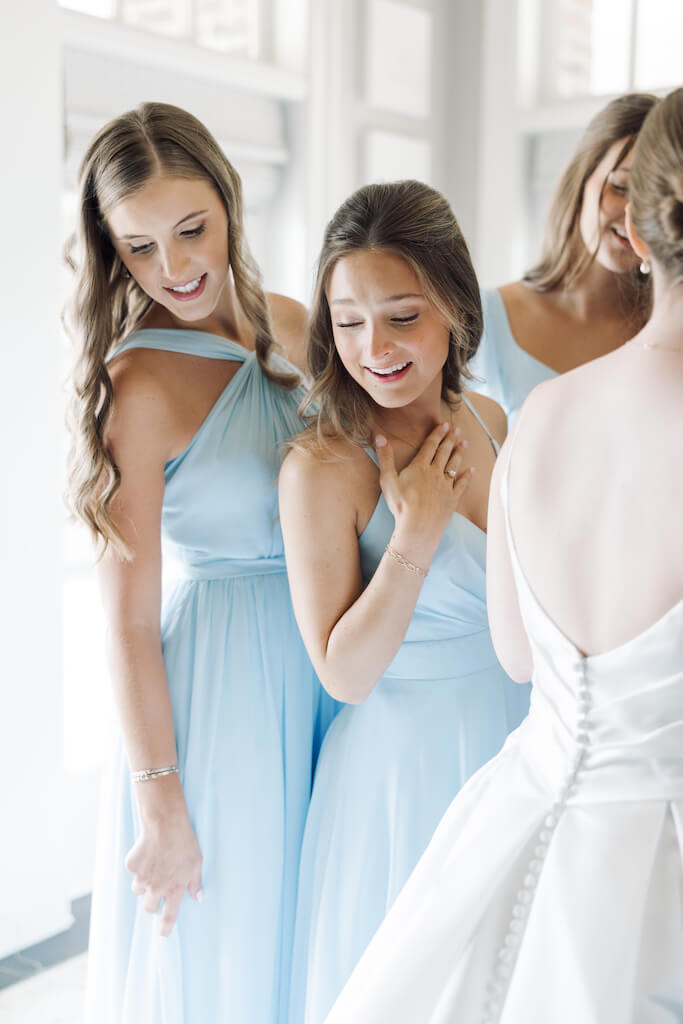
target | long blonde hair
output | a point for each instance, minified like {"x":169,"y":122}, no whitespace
{"x":414,"y":221}
{"x":564,"y":256}
{"x":656,"y":185}
{"x":154,"y":139}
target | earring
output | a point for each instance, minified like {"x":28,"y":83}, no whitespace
{"x":645,"y":267}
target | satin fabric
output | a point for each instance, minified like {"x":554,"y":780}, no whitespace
{"x":553,"y":888}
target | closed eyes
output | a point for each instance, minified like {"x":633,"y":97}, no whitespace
{"x":400,"y":320}
{"x":188,"y":233}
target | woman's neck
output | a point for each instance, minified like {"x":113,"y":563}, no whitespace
{"x":597,"y":295}
{"x":227,"y":320}
{"x":411,"y":423}
{"x":664,"y":329}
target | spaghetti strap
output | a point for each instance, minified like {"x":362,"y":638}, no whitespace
{"x":494,"y":443}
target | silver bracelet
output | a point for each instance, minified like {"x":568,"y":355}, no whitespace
{"x":153,"y":773}
{"x":410,"y":566}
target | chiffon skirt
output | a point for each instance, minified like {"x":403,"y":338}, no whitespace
{"x":388,"y":771}
{"x":249,"y":718}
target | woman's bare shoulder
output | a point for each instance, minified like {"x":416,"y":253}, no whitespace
{"x":289,"y":319}
{"x":336,"y":461}
{"x":491,"y":413}
{"x":143,"y":409}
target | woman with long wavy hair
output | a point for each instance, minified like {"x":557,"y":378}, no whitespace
{"x":587,"y":294}
{"x":384,"y":528}
{"x":182,"y":403}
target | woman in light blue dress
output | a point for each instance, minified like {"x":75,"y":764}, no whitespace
{"x":587,"y":294}
{"x":387,"y":568}
{"x":182,"y":411}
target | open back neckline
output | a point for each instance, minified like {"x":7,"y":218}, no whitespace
{"x":582,"y":655}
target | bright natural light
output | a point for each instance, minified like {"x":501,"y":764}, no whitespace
{"x":610,"y":43}
{"x":659,"y":53}
{"x":231,"y":26}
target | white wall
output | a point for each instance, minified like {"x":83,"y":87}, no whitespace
{"x":33,"y":861}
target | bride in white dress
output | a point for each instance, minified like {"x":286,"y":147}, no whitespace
{"x":552,"y":892}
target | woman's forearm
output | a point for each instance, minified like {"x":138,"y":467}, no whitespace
{"x":144,"y":705}
{"x":364,"y":641}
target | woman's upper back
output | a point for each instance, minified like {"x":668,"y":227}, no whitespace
{"x":596,"y":495}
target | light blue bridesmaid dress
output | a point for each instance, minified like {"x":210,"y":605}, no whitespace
{"x":390,"y":767}
{"x":503,"y":370}
{"x":248,"y":713}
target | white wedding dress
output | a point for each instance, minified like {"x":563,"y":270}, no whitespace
{"x":552,"y":891}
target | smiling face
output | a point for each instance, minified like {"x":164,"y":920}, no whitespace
{"x":602,"y":221}
{"x":172,"y":235}
{"x":389,"y":337}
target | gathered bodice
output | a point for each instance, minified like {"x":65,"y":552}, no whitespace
{"x":220,"y":511}
{"x":617,"y":717}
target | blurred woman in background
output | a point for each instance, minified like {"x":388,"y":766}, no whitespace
{"x":587,"y":295}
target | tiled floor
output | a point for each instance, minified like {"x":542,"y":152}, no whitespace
{"x":53,"y":996}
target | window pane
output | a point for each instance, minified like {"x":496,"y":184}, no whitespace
{"x":227,"y":25}
{"x":610,"y":46}
{"x":586,"y":46}
{"x":659,"y":46}
{"x":231,"y":26}
{"x":164,"y":17}
{"x":98,"y":8}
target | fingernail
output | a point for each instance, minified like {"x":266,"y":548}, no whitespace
{"x":380,"y":441}
{"x":200,"y":895}
{"x":471,"y":470}
{"x":463,"y":444}
{"x":445,"y":426}
{"x":456,"y":432}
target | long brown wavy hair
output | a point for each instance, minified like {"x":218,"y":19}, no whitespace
{"x":564,"y":255}
{"x":141,"y":144}
{"x":656,"y":185}
{"x":414,"y":221}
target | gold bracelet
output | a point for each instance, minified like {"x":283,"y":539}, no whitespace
{"x":145,"y":774}
{"x":410,"y":566}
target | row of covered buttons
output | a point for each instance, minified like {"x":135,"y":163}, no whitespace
{"x":507,"y":955}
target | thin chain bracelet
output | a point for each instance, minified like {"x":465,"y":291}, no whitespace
{"x":153,"y":773}
{"x":410,"y":566}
